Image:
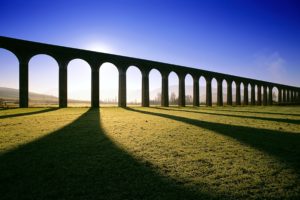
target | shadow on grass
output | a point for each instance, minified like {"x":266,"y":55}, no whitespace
{"x":262,"y":112}
{"x":284,"y":146}
{"x":291,"y":121}
{"x":80,"y":162}
{"x":29,"y":113}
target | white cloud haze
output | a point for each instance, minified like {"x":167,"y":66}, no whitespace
{"x":271,"y":66}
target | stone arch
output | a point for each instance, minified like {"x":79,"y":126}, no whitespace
{"x":275,"y":94}
{"x":9,"y":52}
{"x":79,"y":82}
{"x":242,"y":86}
{"x":133,"y":85}
{"x":155,"y":86}
{"x":43,"y":80}
{"x":108,"y":89}
{"x":9,"y":78}
{"x":214,"y":84}
{"x":189,"y":89}
{"x":224,"y":89}
{"x":256,"y":91}
{"x":235,"y":86}
{"x":249,"y":93}
{"x":202,"y":88}
{"x":173,"y":88}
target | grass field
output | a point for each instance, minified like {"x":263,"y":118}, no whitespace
{"x":150,"y":153}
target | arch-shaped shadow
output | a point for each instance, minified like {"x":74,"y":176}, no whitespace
{"x":79,"y":161}
{"x":282,"y":145}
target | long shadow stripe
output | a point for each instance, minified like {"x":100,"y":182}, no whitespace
{"x":282,"y":145}
{"x":290,"y":121}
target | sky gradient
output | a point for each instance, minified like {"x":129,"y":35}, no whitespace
{"x":250,"y":38}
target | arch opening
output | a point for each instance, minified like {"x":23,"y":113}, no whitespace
{"x":133,"y":86}
{"x":173,"y":88}
{"x":43,"y":81}
{"x":202,"y":92}
{"x":224,"y":89}
{"x":189,"y":89}
{"x":108,"y":84}
{"x":155,"y":87}
{"x":234,"y":96}
{"x":214,"y":90}
{"x":275,"y":95}
{"x":255,"y":93}
{"x":249,"y":94}
{"x":79,"y":83}
{"x":9,"y":79}
{"x":242,"y":93}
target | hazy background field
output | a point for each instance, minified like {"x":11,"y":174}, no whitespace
{"x":10,"y":97}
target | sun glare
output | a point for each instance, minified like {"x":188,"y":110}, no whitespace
{"x":99,"y":47}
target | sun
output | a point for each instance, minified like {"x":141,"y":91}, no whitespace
{"x":99,"y":47}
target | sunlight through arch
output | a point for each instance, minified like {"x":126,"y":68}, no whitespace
{"x":256,"y":91}
{"x":133,"y":86}
{"x":233,"y":93}
{"x":224,"y":87}
{"x":202,"y":88}
{"x":9,"y":77}
{"x":43,"y":81}
{"x":173,"y":88}
{"x":214,"y":91}
{"x":249,"y":94}
{"x":155,"y":87}
{"x":275,"y":95}
{"x":109,"y":84}
{"x":189,"y":90}
{"x":79,"y":83}
{"x":268,"y":92}
{"x":242,"y":93}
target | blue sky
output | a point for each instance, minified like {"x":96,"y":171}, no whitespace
{"x":256,"y":39}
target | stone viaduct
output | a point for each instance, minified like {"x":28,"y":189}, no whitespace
{"x":25,"y":50}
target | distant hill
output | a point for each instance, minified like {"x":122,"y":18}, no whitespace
{"x":11,"y":94}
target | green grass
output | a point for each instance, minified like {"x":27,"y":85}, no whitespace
{"x":150,"y":153}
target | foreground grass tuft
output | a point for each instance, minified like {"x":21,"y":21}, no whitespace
{"x":150,"y":153}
